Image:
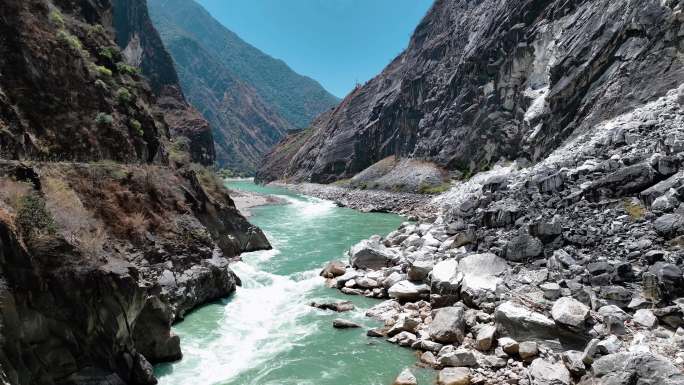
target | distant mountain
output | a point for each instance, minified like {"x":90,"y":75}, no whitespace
{"x":250,"y":98}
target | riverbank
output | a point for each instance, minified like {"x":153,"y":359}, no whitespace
{"x":246,"y":200}
{"x":412,"y":206}
{"x":565,"y":272}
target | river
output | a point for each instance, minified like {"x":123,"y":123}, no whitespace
{"x":265,"y":333}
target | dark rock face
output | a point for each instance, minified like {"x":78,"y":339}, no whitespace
{"x":489,"y":80}
{"x":251,"y":99}
{"x":142,"y":47}
{"x":103,"y":243}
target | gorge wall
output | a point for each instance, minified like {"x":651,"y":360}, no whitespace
{"x":110,"y":230}
{"x":494,"y":80}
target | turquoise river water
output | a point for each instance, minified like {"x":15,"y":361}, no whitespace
{"x":265,"y":333}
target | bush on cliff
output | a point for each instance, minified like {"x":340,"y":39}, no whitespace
{"x":33,"y":217}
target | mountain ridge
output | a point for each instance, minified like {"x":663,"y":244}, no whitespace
{"x":251,"y":99}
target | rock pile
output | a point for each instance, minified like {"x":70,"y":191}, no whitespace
{"x":566,"y":272}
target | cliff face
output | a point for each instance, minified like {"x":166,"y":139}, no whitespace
{"x":491,"y":80}
{"x":107,"y":233}
{"x":143,"y":48}
{"x":251,"y":99}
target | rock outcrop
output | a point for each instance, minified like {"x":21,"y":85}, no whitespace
{"x":108,"y":234}
{"x":568,"y":271}
{"x":488,"y":81}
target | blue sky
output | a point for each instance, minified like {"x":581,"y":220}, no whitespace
{"x":337,"y":42}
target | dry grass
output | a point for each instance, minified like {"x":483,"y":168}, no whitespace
{"x":74,"y":222}
{"x":634,"y":209}
{"x":12,"y":192}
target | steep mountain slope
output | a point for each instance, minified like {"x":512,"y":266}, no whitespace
{"x":107,"y":232}
{"x":143,"y":48}
{"x":491,"y":80}
{"x":251,"y":99}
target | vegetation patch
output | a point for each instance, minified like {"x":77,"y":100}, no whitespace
{"x":433,"y":190}
{"x":104,"y":120}
{"x":634,"y":209}
{"x":33,"y":217}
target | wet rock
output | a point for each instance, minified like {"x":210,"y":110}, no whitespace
{"x":405,"y":378}
{"x":408,"y":291}
{"x":454,"y":376}
{"x":344,"y":324}
{"x":448,"y":325}
{"x":570,"y":312}
{"x":333,"y":269}
{"x":376,"y":333}
{"x":370,"y":254}
{"x":339,"y":307}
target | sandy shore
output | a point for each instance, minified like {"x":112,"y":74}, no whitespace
{"x":245,"y":200}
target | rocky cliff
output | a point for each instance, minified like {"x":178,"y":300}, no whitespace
{"x":483,"y":81}
{"x":108,"y":232}
{"x":143,"y":48}
{"x":251,"y":99}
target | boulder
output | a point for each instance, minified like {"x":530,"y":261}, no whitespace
{"x":520,"y":323}
{"x":669,"y":225}
{"x":370,"y":254}
{"x":570,"y":312}
{"x":645,"y":318}
{"x":528,"y":350}
{"x":485,"y":337}
{"x":458,"y":358}
{"x":480,"y":277}
{"x":546,"y":373}
{"x":445,"y":282}
{"x":344,"y":324}
{"x":404,"y":291}
{"x":634,"y":368}
{"x":384,"y":310}
{"x":454,"y":376}
{"x":509,"y":345}
{"x":339,"y":307}
{"x":419,"y":270}
{"x":573,"y":362}
{"x":523,"y":247}
{"x":448,"y":325}
{"x":333,"y":269}
{"x":405,"y":378}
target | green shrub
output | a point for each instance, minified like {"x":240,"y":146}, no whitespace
{"x":103,"y":119}
{"x":33,"y":218}
{"x":96,"y":29}
{"x":428,"y":189}
{"x":72,"y":41}
{"x":56,"y":18}
{"x":100,"y":84}
{"x":103,"y":71}
{"x":124,"y":68}
{"x":107,"y":53}
{"x":124,"y":96}
{"x":137,"y":127}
